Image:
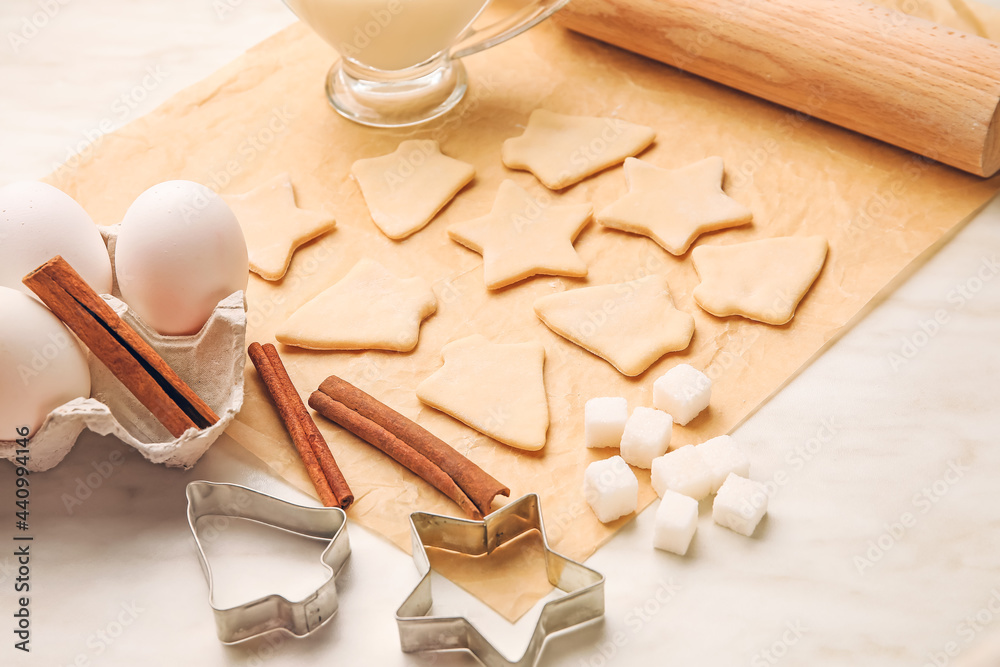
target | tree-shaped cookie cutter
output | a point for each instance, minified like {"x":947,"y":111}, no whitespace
{"x":272,"y":612}
{"x":584,"y":587}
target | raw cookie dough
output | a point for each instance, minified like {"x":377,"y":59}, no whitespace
{"x":368,"y":309}
{"x":274,"y":226}
{"x":760,"y":280}
{"x":405,"y":189}
{"x":520,"y":238}
{"x":630,"y":324}
{"x":674,"y":206}
{"x":497,"y":389}
{"x":561,"y":150}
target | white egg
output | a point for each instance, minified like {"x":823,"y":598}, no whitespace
{"x":42,"y":365}
{"x":38,"y":222}
{"x":179,"y":252}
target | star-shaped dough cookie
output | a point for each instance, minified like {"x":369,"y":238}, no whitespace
{"x":521,"y":238}
{"x":368,"y":309}
{"x":274,"y":226}
{"x":495,"y":388}
{"x":405,"y":189}
{"x":674,"y":206}
{"x":630,"y":324}
{"x":561,"y":150}
{"x":760,"y":280}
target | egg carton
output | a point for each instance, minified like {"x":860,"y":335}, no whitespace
{"x":210,"y":361}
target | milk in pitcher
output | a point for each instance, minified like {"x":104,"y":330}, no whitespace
{"x":388,"y":34}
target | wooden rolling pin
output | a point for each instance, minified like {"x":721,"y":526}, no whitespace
{"x":913,"y":83}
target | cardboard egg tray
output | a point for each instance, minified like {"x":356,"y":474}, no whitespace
{"x":211,"y":362}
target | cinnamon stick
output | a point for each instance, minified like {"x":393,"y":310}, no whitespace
{"x":409,"y":458}
{"x":130,"y":358}
{"x":334,"y":477}
{"x":476,"y":483}
{"x":286,"y":408}
{"x":320,"y":448}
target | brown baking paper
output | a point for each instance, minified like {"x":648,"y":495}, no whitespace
{"x":880,"y":207}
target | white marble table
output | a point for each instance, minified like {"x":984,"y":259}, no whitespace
{"x":855,"y":447}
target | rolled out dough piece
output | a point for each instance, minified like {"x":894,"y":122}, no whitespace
{"x":497,"y":389}
{"x":520,"y":238}
{"x":274,"y":227}
{"x":674,"y":206}
{"x":630,"y":324}
{"x":561,"y":150}
{"x":760,"y":280}
{"x":405,"y":189}
{"x":368,"y":309}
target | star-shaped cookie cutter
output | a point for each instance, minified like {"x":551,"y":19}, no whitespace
{"x":272,"y":612}
{"x":584,"y":587}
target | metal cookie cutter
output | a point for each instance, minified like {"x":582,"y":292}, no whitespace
{"x":584,"y":587}
{"x":273,"y":612}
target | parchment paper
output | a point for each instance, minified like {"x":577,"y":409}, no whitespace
{"x":881,"y":208}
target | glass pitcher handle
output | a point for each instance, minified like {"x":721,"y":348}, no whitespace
{"x":512,"y":26}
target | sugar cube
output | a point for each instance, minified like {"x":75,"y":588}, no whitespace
{"x":682,"y":471}
{"x":675,"y":524}
{"x":724,"y":455}
{"x":604,"y":421}
{"x":646,"y":436}
{"x":610,"y":488}
{"x":740,"y":504}
{"x":683,"y":391}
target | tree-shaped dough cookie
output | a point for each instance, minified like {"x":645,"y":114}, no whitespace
{"x":760,"y":280}
{"x":561,"y":150}
{"x":497,"y":389}
{"x":368,"y":309}
{"x":630,"y":324}
{"x":405,"y":189}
